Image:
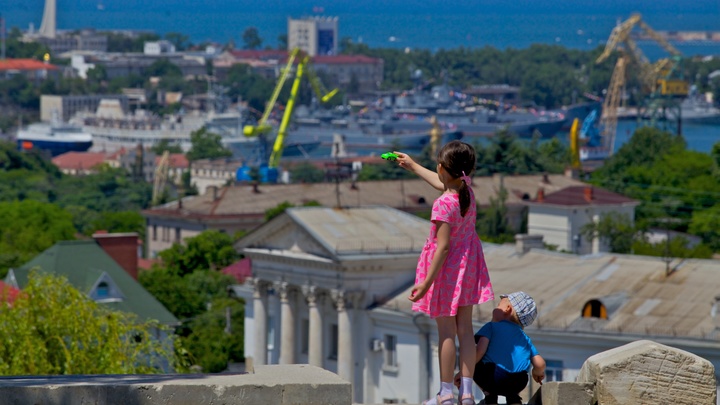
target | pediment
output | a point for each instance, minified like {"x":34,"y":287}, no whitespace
{"x":284,"y":235}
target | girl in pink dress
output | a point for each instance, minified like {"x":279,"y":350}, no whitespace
{"x":451,"y":274}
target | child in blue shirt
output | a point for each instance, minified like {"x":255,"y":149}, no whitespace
{"x":504,"y":352}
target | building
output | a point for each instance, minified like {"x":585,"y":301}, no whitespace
{"x":213,"y":173}
{"x":107,"y":273}
{"x":329,"y":287}
{"x":158,"y":47}
{"x":34,"y":70}
{"x":125,"y":64}
{"x":242,"y":207}
{"x":80,"y":163}
{"x":67,"y":106}
{"x":60,"y":42}
{"x":314,"y":35}
{"x":561,"y":216}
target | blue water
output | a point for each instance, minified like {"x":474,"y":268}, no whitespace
{"x":427,"y":24}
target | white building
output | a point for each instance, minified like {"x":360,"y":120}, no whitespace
{"x":329,"y":288}
{"x":315,"y":35}
{"x":560,"y":216}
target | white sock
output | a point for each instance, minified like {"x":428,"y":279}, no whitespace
{"x":446,"y":388}
{"x":466,"y":385}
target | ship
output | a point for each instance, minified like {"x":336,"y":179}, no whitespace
{"x":54,"y":138}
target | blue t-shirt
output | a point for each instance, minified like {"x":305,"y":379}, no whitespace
{"x":510,"y":348}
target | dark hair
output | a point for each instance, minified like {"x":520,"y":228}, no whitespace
{"x":457,"y":157}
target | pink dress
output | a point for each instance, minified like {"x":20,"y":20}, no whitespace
{"x":463,"y":279}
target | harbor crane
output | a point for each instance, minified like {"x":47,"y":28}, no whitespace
{"x":661,"y":81}
{"x":268,"y":171}
{"x":160,"y":179}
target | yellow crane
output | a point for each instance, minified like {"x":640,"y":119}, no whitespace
{"x":658,"y":80}
{"x":653,"y":76}
{"x":263,"y":128}
{"x":160,"y":179}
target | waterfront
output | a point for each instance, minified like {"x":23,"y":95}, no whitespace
{"x":580,"y":25}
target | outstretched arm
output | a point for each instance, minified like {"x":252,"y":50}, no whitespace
{"x":406,"y":162}
{"x":538,"y":371}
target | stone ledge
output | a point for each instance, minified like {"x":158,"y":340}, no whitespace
{"x":288,"y":385}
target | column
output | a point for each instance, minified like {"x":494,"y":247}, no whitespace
{"x":346,"y":302}
{"x":260,"y":320}
{"x":315,"y":338}
{"x":287,"y":326}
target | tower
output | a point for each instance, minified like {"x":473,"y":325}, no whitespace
{"x":48,"y":27}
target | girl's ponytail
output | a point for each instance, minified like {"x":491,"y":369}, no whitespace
{"x":464,"y":196}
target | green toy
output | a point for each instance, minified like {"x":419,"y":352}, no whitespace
{"x":389,"y":156}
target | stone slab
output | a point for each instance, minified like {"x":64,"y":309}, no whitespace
{"x":562,"y":393}
{"x":647,"y":372}
{"x":287,"y":384}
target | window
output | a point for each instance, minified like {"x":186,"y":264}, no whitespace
{"x":333,"y":342}
{"x":154,"y":232}
{"x":553,"y":370}
{"x":102,"y":290}
{"x":177,"y":235}
{"x":389,"y":351}
{"x":594,"y":309}
{"x":304,"y":336}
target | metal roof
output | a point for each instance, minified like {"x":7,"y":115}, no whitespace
{"x":641,"y":298}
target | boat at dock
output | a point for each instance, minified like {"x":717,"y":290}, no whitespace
{"x":54,"y":138}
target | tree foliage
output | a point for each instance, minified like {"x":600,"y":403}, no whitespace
{"x":28,"y":228}
{"x":52,"y":328}
{"x":206,"y":145}
{"x":251,"y":38}
{"x":189,"y":284}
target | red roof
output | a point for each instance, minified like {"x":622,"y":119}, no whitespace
{"x":344,"y":59}
{"x":259,"y":53}
{"x":583,"y":195}
{"x":25,"y":64}
{"x":177,"y":161}
{"x":8,"y":293}
{"x":79,"y":160}
{"x":146,"y":264}
{"x":240,"y":270}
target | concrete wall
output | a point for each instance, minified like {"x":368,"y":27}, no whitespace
{"x":295,"y":384}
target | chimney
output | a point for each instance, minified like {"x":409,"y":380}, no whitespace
{"x":588,"y":193}
{"x":545,"y":178}
{"x":122,"y":247}
{"x":525,"y":242}
{"x":541,"y":195}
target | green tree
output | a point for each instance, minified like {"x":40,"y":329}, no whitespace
{"x":206,"y":145}
{"x":306,"y":172}
{"x":492,"y":224}
{"x":82,"y":338}
{"x":165,"y":145}
{"x":706,"y":224}
{"x":179,"y":40}
{"x":614,"y":229}
{"x":122,"y":221}
{"x":29,"y":227}
{"x":251,"y":38}
{"x":210,"y":250}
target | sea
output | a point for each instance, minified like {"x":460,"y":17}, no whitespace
{"x":405,"y":24}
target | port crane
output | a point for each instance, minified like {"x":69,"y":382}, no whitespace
{"x":268,"y":171}
{"x":160,"y":178}
{"x":661,"y":81}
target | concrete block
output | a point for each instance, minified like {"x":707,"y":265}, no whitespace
{"x":562,"y":393}
{"x":646,"y":372}
{"x":287,"y":385}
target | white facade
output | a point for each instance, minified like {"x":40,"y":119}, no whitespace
{"x":313,"y":300}
{"x":158,"y":47}
{"x":561,"y":224}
